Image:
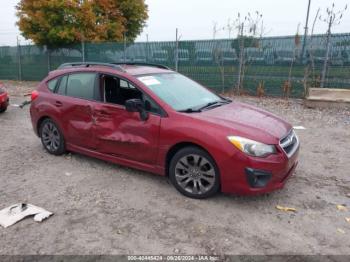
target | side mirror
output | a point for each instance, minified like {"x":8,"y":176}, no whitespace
{"x":136,"y":105}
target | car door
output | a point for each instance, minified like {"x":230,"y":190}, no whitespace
{"x":76,"y":95}
{"x":121,"y":133}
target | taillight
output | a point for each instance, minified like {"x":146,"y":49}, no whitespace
{"x":34,"y":95}
{"x":2,"y":88}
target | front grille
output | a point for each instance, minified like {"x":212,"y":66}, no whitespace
{"x":290,"y":143}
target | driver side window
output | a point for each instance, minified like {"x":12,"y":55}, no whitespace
{"x":118,"y":91}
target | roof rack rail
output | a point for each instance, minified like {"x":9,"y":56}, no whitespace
{"x":88,"y":64}
{"x":143,"y":64}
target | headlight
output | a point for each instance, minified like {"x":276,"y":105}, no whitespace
{"x":251,"y":147}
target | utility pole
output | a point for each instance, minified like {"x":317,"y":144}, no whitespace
{"x":306,"y":31}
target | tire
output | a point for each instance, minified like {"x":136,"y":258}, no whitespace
{"x":52,"y":138}
{"x":194,"y":173}
{"x":2,"y":110}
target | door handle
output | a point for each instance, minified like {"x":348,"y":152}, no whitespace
{"x":58,"y":104}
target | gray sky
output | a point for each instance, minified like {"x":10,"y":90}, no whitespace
{"x":195,"y":18}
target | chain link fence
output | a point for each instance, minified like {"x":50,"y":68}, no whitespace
{"x":276,"y":66}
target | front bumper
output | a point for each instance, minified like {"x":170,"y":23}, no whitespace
{"x":252,"y":176}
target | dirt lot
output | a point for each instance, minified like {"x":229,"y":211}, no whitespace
{"x":101,"y":208}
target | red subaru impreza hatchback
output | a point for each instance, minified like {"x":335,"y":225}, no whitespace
{"x":151,"y":118}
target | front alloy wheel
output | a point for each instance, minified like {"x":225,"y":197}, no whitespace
{"x":193,"y":172}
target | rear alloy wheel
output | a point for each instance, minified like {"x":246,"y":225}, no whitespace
{"x":51,"y":138}
{"x":194,"y":173}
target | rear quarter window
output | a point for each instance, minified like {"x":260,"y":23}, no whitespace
{"x":61,"y":90}
{"x":52,"y":84}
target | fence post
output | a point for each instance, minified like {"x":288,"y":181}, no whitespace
{"x":83,"y":50}
{"x":147,"y":50}
{"x":306,"y":32}
{"x":177,"y":51}
{"x":241,"y":60}
{"x":328,"y":46}
{"x":19,"y":60}
{"x":48,"y":59}
{"x":124,"y":48}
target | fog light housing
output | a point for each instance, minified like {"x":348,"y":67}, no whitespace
{"x":257,"y":178}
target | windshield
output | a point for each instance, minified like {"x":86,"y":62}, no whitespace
{"x":178,"y":91}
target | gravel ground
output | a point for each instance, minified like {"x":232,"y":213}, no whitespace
{"x":102,"y":208}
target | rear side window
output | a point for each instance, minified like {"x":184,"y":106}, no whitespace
{"x":52,"y":84}
{"x":81,"y":86}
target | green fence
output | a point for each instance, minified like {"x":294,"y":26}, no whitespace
{"x":268,"y":62}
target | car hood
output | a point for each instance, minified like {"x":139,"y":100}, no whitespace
{"x":245,"y":120}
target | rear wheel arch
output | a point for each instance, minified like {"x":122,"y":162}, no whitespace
{"x":43,"y":118}
{"x":39,"y":123}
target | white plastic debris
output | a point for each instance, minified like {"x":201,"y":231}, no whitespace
{"x":13,"y":214}
{"x":299,"y":128}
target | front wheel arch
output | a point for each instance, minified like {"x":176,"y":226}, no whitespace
{"x":176,"y":148}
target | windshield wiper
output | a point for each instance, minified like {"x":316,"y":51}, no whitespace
{"x":190,"y":110}
{"x":215,"y":104}
{"x":209,"y":105}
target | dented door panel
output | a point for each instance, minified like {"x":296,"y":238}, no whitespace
{"x":124,"y":134}
{"x":76,"y":116}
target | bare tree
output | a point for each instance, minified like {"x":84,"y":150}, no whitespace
{"x":249,"y":26}
{"x":287,"y":85}
{"x":296,"y":47}
{"x":311,"y":59}
{"x":218,"y":57}
{"x":230,"y":28}
{"x":311,"y":54}
{"x":332,"y":18}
